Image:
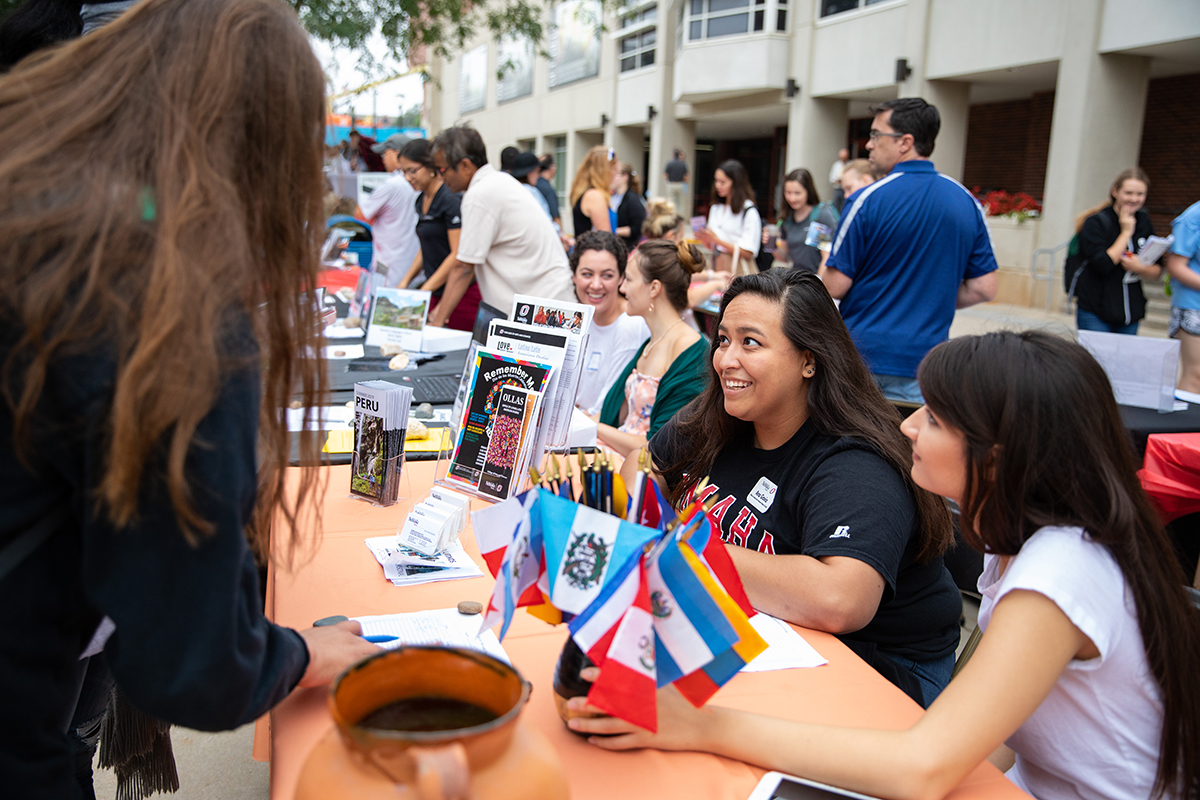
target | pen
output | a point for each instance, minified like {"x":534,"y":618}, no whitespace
{"x":430,"y":359}
{"x":380,"y":639}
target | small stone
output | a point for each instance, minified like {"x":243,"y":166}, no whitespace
{"x":398,"y":362}
{"x":325,"y":622}
{"x":470,"y":607}
{"x":295,"y":404}
{"x":339,"y":353}
{"x":423,"y":411}
{"x":390,"y":349}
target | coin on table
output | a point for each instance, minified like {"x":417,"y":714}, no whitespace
{"x":470,"y":607}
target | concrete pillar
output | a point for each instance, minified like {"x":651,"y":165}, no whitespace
{"x":816,"y":131}
{"x":628,"y":141}
{"x":952,"y":99}
{"x":1099,"y":104}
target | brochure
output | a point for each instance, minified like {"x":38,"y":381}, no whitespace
{"x":380,"y":422}
{"x":574,"y":318}
{"x":510,"y":444}
{"x":489,"y":372}
{"x":547,"y":346}
{"x":398,"y":317}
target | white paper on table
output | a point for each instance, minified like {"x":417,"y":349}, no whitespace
{"x":454,"y":562}
{"x":786,"y":649}
{"x":331,"y":417}
{"x":583,"y":430}
{"x":339,"y":331}
{"x":346,"y":350}
{"x":444,"y":626}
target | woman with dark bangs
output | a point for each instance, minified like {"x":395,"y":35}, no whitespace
{"x":1087,"y":667}
{"x":159,"y":226}
{"x":809,"y":471}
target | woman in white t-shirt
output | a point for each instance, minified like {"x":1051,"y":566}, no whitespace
{"x":733,"y":220}
{"x":598,"y":264}
{"x":1088,"y":665}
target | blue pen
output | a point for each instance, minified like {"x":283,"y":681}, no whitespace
{"x":380,"y":639}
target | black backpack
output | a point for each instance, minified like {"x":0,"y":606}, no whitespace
{"x":1073,"y":267}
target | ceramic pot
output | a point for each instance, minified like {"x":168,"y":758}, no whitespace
{"x":498,"y":760}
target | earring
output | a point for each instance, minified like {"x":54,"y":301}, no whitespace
{"x":808,"y":373}
{"x":651,"y":306}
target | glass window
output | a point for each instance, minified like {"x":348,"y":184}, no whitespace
{"x":715,"y":6}
{"x":829,"y":7}
{"x":727,"y":26}
{"x":694,"y":30}
{"x":758,"y":20}
{"x":636,"y":49}
{"x":781,"y":20}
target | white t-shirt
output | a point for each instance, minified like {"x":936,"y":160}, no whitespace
{"x":609,"y":349}
{"x":511,"y":241}
{"x":1096,"y":736}
{"x":743,"y":230}
{"x":393,"y":213}
{"x":835,"y":173}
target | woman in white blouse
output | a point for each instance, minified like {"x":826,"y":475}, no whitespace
{"x":733,"y":220}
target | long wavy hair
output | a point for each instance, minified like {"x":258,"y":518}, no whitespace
{"x":594,"y":173}
{"x":843,"y":400}
{"x":740,"y":192}
{"x":159,"y":178}
{"x":1033,"y":460}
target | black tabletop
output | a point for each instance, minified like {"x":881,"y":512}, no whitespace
{"x":1141,"y":422}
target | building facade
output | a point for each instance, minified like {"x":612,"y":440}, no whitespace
{"x":1053,"y":97}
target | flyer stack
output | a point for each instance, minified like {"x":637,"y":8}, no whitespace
{"x":380,"y":422}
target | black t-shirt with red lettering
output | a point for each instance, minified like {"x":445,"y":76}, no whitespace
{"x":821,"y":495}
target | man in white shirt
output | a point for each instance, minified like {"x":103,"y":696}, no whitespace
{"x":392,"y":212}
{"x":506,"y":243}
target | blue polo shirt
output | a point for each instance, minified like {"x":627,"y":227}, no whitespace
{"x":908,"y":242}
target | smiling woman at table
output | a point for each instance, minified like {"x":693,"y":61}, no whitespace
{"x":1089,"y":661}
{"x":158,"y":230}
{"x":809,"y":472}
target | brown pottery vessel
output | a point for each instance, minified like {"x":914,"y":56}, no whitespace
{"x":498,"y":760}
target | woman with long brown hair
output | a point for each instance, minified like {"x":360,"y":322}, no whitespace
{"x":160,"y":215}
{"x":1088,"y":661}
{"x":590,"y":191}
{"x":810,"y":471}
{"x":734,"y":229}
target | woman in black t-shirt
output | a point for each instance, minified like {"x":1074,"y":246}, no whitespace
{"x":811,"y":476}
{"x":439,"y":223}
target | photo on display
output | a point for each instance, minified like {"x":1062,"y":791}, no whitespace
{"x":575,"y":42}
{"x":398,"y":317}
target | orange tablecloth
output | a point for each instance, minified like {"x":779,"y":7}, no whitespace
{"x":342,"y":577}
{"x":1171,"y":473}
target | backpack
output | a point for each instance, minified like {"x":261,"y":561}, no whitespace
{"x":1072,"y":267}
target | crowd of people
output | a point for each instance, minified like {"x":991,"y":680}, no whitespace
{"x":156,"y":250}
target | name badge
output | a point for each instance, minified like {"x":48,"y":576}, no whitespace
{"x":593,"y":362}
{"x":762,"y":495}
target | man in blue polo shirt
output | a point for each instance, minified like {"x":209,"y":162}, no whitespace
{"x":910,"y":249}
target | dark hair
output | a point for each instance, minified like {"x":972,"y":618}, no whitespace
{"x":1034,"y":460}
{"x":507,"y":158}
{"x":913,"y":116}
{"x":599,"y":240}
{"x":843,"y":399}
{"x":805,"y":179}
{"x":161,"y":176}
{"x":459,"y":142}
{"x":419,"y":151}
{"x":672,"y":264}
{"x":740,"y":192}
{"x":635,"y":184}
{"x":547,"y":161}
{"x":37,"y":24}
{"x":678,"y":154}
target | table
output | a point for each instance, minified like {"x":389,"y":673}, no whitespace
{"x":1144,"y":422}
{"x":341,"y":577}
{"x":1171,"y":477}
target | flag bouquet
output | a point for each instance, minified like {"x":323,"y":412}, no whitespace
{"x":650,"y":604}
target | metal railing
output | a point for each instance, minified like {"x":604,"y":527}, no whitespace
{"x":1054,"y":258}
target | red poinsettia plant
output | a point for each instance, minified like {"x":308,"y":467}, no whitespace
{"x":1016,"y":205}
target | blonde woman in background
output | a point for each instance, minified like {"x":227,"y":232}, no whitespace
{"x":663,"y":222}
{"x":590,"y":191}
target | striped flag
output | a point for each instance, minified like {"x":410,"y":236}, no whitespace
{"x":654,"y":511}
{"x":617,"y":633}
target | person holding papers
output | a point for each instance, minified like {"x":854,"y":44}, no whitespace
{"x":810,"y":477}
{"x":1109,"y":288}
{"x":668,"y":370}
{"x":1090,"y":650}
{"x":598,"y":263}
{"x":154,"y":324}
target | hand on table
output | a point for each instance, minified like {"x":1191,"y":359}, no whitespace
{"x":332,"y":649}
{"x":681,"y":726}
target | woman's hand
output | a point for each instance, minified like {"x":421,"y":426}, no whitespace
{"x":1127,"y":219}
{"x":681,"y":726}
{"x":766,"y":237}
{"x":332,"y":649}
{"x":706,"y":236}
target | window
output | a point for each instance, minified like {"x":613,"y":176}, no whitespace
{"x":635,"y":46}
{"x":709,"y":19}
{"x":560,"y":175}
{"x":830,"y":7}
